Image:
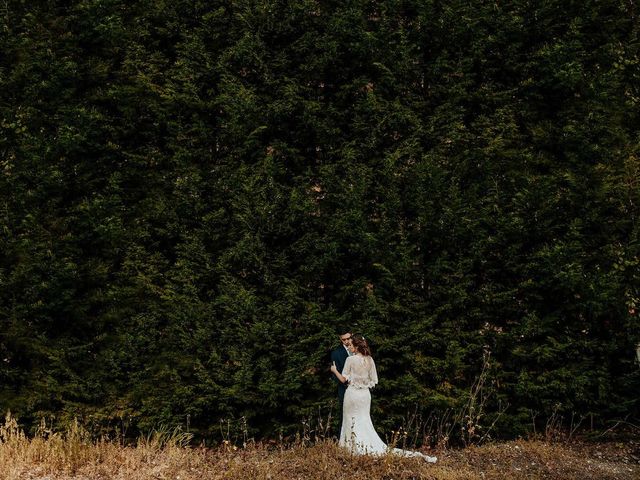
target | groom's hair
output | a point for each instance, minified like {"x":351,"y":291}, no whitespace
{"x":343,"y":330}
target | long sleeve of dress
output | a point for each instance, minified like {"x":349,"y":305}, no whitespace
{"x":373,"y":373}
{"x":346,"y":371}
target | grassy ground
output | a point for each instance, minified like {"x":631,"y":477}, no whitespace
{"x":71,"y":456}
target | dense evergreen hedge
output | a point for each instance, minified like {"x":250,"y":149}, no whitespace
{"x":194,"y":195}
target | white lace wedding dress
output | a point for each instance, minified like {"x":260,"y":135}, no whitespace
{"x":358,"y":434}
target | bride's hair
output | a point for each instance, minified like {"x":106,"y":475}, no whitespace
{"x":360,"y":344}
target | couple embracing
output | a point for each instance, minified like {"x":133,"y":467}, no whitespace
{"x":355,"y":371}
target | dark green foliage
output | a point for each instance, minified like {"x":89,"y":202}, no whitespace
{"x":194,"y":196}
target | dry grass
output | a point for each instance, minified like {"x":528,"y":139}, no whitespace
{"x":165,"y":456}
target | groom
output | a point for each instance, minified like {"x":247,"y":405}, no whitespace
{"x":339,"y":356}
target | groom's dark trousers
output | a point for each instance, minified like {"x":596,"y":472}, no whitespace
{"x":339,"y":355}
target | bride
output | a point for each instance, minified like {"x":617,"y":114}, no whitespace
{"x":358,"y":434}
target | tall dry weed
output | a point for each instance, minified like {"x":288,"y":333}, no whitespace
{"x":470,"y":424}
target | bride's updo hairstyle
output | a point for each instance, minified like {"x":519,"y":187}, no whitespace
{"x":360,"y":345}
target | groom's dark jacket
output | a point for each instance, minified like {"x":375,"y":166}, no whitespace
{"x":339,"y":355}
